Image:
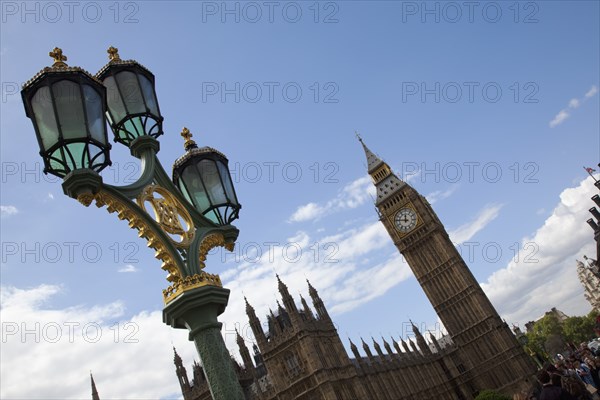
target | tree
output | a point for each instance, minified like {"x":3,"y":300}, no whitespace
{"x":550,"y":336}
{"x":580,"y":329}
{"x":554,"y":344}
{"x":536,"y":344}
{"x":546,"y":335}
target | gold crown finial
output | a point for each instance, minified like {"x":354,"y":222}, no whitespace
{"x":59,"y":58}
{"x":113,"y":54}
{"x":187,"y":135}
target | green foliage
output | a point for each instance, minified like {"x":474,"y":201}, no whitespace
{"x":491,"y":395}
{"x":548,"y":325}
{"x":545,"y":335}
{"x":536,"y":343}
{"x":580,"y":329}
{"x":549,"y":336}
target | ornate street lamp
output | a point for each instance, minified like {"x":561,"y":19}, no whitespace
{"x":67,"y":106}
{"x":132,"y":105}
{"x":181,"y":221}
{"x":203,"y":177}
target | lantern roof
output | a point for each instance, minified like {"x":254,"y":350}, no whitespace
{"x":115,"y":60}
{"x":59,"y":66}
{"x":193,"y":150}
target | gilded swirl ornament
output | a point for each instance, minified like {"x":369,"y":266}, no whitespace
{"x":168,"y":213}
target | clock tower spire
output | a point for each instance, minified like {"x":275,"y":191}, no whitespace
{"x":486,"y":343}
{"x":385,"y":181}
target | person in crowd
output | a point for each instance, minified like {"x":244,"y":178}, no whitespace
{"x":571,"y":382}
{"x":557,"y":378}
{"x":594,"y":370}
{"x":583,"y":370}
{"x":549,"y":390}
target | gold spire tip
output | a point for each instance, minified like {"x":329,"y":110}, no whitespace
{"x":187,"y":135}
{"x":59,"y":58}
{"x":113,"y":54}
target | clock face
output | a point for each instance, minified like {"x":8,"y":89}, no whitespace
{"x":405,"y":220}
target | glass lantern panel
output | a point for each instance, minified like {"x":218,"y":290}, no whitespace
{"x":79,"y":157}
{"x":184,"y":190}
{"x":54,"y":163}
{"x":213,"y":216}
{"x":226,"y":177}
{"x":154,"y":129}
{"x":93,"y":108}
{"x":95,"y":163}
{"x":69,"y":108}
{"x":192,"y":181}
{"x":115,"y":103}
{"x":130,"y":90}
{"x":212,"y":182}
{"x":223,"y":212}
{"x":44,"y":116}
{"x":148,"y":91}
{"x":134,"y":126}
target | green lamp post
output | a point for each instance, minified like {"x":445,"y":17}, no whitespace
{"x":182,"y":219}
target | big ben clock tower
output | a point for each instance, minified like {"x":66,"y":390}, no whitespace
{"x":491,"y":357}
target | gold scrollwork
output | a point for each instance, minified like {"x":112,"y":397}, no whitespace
{"x":167,"y":211}
{"x":190,"y":282}
{"x":124,"y":212}
{"x":211,"y":241}
{"x":85,"y":199}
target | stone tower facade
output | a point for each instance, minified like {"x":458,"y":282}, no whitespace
{"x":301,"y":356}
{"x":306,"y":351}
{"x":590,"y":279}
{"x":492,"y":357}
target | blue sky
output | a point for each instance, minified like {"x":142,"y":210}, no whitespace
{"x":490,"y":113}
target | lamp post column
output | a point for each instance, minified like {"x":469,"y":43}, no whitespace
{"x":197,"y":310}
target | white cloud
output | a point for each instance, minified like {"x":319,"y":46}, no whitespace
{"x":381,"y":277}
{"x":307,"y":212}
{"x":337,"y":265}
{"x":559,"y":118}
{"x":63,"y":345}
{"x":593,"y":90}
{"x":468,"y":230}
{"x":6,"y":211}
{"x":573,"y":104}
{"x":350,"y":196}
{"x":128,"y":268}
{"x":438,"y":195}
{"x":544,"y":275}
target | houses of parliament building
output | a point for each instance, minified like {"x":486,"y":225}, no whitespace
{"x":301,"y":356}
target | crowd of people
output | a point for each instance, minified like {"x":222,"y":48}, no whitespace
{"x":576,"y":377}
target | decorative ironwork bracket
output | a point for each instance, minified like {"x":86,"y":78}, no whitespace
{"x":183,"y":259}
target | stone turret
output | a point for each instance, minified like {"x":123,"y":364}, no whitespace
{"x":95,"y":395}
{"x":255,"y":325}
